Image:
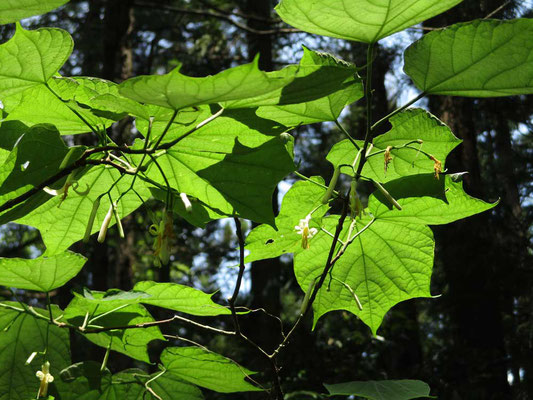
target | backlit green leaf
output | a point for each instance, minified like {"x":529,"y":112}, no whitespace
{"x":63,"y":222}
{"x":426,"y":200}
{"x":30,"y":58}
{"x":43,"y":273}
{"x":482,"y":58}
{"x":175,"y":90}
{"x":15,"y":10}
{"x":388,"y":263}
{"x":381,"y":390}
{"x":20,"y":335}
{"x":232,"y":164}
{"x":39,"y":105}
{"x":322,"y":87}
{"x":359,"y":20}
{"x":180,"y":298}
{"x":132,"y":342}
{"x":36,"y":156}
{"x":207,"y":369}
{"x":331,"y":83}
{"x":408,"y":156}
{"x":303,"y":197}
{"x":169,"y":387}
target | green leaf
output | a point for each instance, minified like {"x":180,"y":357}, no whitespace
{"x":81,"y":381}
{"x":170,"y":387}
{"x":388,"y":263}
{"x":37,"y":155}
{"x":186,"y":119}
{"x":85,"y":381}
{"x":15,"y":10}
{"x":322,"y":87}
{"x":39,"y":105}
{"x":132,"y":342}
{"x":331,"y":83}
{"x":199,"y":215}
{"x":63,"y":222}
{"x":482,"y":58}
{"x":426,"y":200}
{"x":207,"y":369}
{"x":30,"y":58}
{"x":20,"y":335}
{"x":176,"y":91}
{"x":407,"y":159}
{"x":381,"y":390}
{"x":43,"y":273}
{"x":180,"y":298}
{"x":359,"y":20}
{"x":232,"y":165}
{"x":303,"y":197}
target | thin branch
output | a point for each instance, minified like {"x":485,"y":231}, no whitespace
{"x":84,"y":160}
{"x":497,"y":10}
{"x":221,"y":16}
{"x":329,"y":264}
{"x":392,"y":114}
{"x":81,"y":329}
{"x":350,"y":138}
{"x":233,"y":298}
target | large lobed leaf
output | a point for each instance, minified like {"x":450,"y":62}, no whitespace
{"x":426,"y":200}
{"x":303,"y":197}
{"x":43,"y":273}
{"x":176,"y":91}
{"x":31,"y":58}
{"x":132,"y":342}
{"x":15,"y":10}
{"x":482,"y":58}
{"x":323,"y":86}
{"x":359,"y":20}
{"x":86,"y":381}
{"x":20,"y":335}
{"x":407,"y":126}
{"x":63,"y":222}
{"x":181,"y":298}
{"x":381,"y":390}
{"x":232,"y":165}
{"x":388,"y":263}
{"x":207,"y":369}
{"x":36,"y":156}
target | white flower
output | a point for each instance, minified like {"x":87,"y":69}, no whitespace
{"x":307,"y":233}
{"x":46,"y":377}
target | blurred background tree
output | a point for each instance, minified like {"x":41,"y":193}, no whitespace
{"x":473,"y":342}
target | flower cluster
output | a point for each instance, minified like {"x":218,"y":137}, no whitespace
{"x":307,"y":233}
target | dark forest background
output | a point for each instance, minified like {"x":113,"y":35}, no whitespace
{"x":473,"y":342}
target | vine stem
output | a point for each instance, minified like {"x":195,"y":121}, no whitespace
{"x":85,"y":330}
{"x":273,"y":366}
{"x":332,"y":257}
{"x":85,"y":160}
{"x":398,"y":110}
{"x":368,"y":96}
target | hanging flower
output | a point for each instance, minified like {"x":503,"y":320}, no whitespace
{"x":388,"y":158}
{"x":164,"y":233}
{"x":46,"y":378}
{"x":63,"y":191}
{"x":307,"y":233}
{"x":437,"y":166}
